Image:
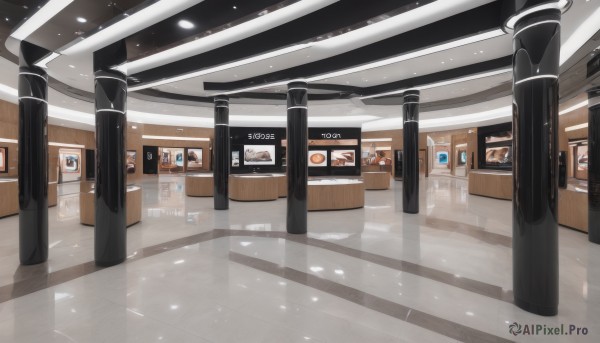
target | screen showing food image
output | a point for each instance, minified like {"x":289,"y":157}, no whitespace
{"x":501,"y":136}
{"x":235,"y":158}
{"x":499,"y":156}
{"x":442,"y":157}
{"x":259,"y":155}
{"x":194,"y":159}
{"x":343,"y":158}
{"x":3,"y":160}
{"x":462,"y":157}
{"x":317,"y":158}
{"x":582,"y":157}
{"x":131,"y":156}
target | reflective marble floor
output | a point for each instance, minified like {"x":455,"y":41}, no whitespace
{"x":365,"y":275}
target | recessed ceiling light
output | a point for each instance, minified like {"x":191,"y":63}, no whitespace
{"x":81,"y":20}
{"x":234,"y":7}
{"x":185,"y":24}
{"x":270,"y":66}
{"x":71,"y":66}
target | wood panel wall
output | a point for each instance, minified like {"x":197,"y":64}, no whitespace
{"x":576,"y":117}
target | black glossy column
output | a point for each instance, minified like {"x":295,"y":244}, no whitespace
{"x":536,"y":52}
{"x":410,"y":158}
{"x":33,"y":156}
{"x":221,"y":153}
{"x":110,"y":233}
{"x":297,"y":157}
{"x":594,"y":165}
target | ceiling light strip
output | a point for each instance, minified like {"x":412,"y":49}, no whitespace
{"x":176,"y":138}
{"x":6,"y":140}
{"x":574,"y":107}
{"x":369,"y":140}
{"x":221,"y":67}
{"x":419,"y":53}
{"x":576,"y":127}
{"x":66,"y":145}
{"x":385,"y":62}
{"x":129,"y":25}
{"x":39,"y":18}
{"x":230,"y":35}
{"x":443,"y":83}
{"x":43,"y":63}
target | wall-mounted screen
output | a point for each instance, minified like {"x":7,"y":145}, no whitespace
{"x":259,"y":155}
{"x":499,"y":156}
{"x":69,"y":164}
{"x":317,"y":158}
{"x":582,"y":157}
{"x":462,"y":158}
{"x":131,"y":157}
{"x":343,"y":158}
{"x":194,"y":159}
{"x":3,"y":160}
{"x":442,"y":157}
{"x":170,"y":160}
{"x":235,"y":159}
{"x":495,"y":146}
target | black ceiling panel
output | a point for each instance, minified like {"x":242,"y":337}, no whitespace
{"x":333,"y":20}
{"x":480,"y":19}
{"x":208,"y":17}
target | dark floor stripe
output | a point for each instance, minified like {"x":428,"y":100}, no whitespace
{"x":401,"y":312}
{"x":467,"y":284}
{"x":41,"y":279}
{"x":468,"y":230}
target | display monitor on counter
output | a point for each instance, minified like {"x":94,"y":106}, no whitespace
{"x":194,"y":159}
{"x":495,"y":145}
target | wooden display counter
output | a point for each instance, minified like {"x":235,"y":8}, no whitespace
{"x":87,"y":206}
{"x":281,"y":184}
{"x":573,"y":206}
{"x":52,"y":193}
{"x":253,"y":187}
{"x":335,"y":194}
{"x":199,"y":185}
{"x":493,"y":184}
{"x":9,"y":197}
{"x":376,"y":168}
{"x":376,"y":180}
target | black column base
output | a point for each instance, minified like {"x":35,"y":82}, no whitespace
{"x":536,"y":309}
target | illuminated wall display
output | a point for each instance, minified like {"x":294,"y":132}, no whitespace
{"x":256,"y":149}
{"x":3,"y":160}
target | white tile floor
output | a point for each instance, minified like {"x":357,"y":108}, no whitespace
{"x":198,"y":294}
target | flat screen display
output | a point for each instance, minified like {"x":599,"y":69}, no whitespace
{"x":582,"y":157}
{"x":131,"y":157}
{"x":462,"y":157}
{"x":317,"y":158}
{"x":70,"y":161}
{"x":442,"y":157}
{"x":170,"y":159}
{"x":3,"y":160}
{"x":343,"y":158}
{"x":194,"y":159}
{"x":499,"y":156}
{"x":255,"y":155}
{"x":235,"y":158}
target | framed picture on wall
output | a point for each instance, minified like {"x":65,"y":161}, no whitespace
{"x":194,"y":159}
{"x":582,"y":157}
{"x":3,"y":160}
{"x":235,"y":158}
{"x":131,"y":157}
{"x":442,"y":157}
